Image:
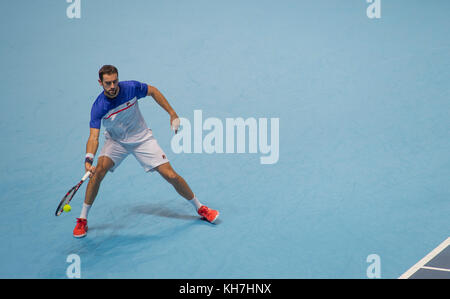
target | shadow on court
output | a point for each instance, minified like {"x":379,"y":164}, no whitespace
{"x":162,"y":211}
{"x":145,"y":209}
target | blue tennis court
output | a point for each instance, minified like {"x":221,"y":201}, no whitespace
{"x":345,"y":153}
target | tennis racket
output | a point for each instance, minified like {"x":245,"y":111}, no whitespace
{"x":68,"y":197}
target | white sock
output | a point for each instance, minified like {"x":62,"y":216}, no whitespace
{"x":85,"y":211}
{"x":195,"y":203}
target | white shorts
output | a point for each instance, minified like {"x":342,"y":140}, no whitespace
{"x":148,"y":153}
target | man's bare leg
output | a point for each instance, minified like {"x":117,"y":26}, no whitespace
{"x":184,"y":190}
{"x":167,"y":172}
{"x":103,"y":165}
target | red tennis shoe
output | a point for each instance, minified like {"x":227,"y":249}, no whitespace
{"x":208,"y":214}
{"x":81,"y":228}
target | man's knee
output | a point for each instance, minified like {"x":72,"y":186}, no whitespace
{"x":104,"y":164}
{"x":167,"y":172}
{"x":172,"y":177}
{"x":100,"y":172}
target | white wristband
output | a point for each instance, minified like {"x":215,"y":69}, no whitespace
{"x":89,"y":155}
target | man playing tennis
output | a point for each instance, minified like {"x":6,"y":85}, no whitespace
{"x":127,"y":133}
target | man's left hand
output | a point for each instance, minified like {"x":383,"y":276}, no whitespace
{"x":174,"y":122}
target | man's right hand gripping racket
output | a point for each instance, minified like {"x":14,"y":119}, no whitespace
{"x":68,"y":197}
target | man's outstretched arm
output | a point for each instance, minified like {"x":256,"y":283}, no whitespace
{"x":161,"y":100}
{"x":91,"y":147}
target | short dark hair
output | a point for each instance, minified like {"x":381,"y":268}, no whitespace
{"x":107,"y":69}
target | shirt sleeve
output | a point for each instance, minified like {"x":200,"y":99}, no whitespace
{"x":96,"y":117}
{"x":140,"y":89}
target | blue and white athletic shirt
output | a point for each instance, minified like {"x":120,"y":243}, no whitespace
{"x":121,"y":116}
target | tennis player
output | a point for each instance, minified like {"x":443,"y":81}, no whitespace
{"x":127,"y":133}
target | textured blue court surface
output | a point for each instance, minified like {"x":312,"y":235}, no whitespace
{"x":364,"y":115}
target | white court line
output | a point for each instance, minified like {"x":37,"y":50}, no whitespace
{"x":436,"y":269}
{"x":426,"y":259}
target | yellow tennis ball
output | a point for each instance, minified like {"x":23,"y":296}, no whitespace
{"x":67,"y":208}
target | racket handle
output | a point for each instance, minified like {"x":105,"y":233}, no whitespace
{"x":86,"y":176}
